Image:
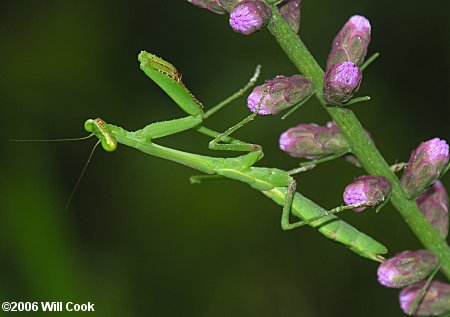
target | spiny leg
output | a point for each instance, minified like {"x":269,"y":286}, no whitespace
{"x":290,"y":192}
{"x":234,"y":96}
{"x":215,"y":145}
{"x":214,"y":134}
{"x":327,"y":213}
{"x":324,"y":159}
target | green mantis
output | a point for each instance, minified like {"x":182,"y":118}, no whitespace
{"x":277,"y":184}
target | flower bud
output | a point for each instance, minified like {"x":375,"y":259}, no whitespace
{"x":351,"y":43}
{"x":434,"y":206}
{"x":249,"y":16}
{"x":280,"y":93}
{"x":406,"y":268}
{"x":435,"y":301}
{"x":370,"y":190}
{"x":290,"y":11}
{"x":211,"y":5}
{"x":424,"y":166}
{"x":341,"y":80}
{"x":312,"y":141}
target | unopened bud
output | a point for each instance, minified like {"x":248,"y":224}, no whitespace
{"x":370,"y":190}
{"x":290,"y":11}
{"x":435,"y":301}
{"x":279,"y":94}
{"x":211,"y":5}
{"x":424,"y":166}
{"x":312,"y":141}
{"x":406,"y":268}
{"x":341,"y":80}
{"x":434,"y":206}
{"x":249,"y":16}
{"x":351,"y":43}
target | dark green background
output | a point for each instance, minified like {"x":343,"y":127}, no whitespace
{"x":138,"y":240}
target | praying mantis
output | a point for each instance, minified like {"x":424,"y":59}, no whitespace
{"x":277,"y":184}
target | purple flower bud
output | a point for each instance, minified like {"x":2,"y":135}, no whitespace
{"x":435,"y":302}
{"x":424,"y":166}
{"x":281,"y":93}
{"x":341,"y":80}
{"x":312,"y":141}
{"x":249,"y":16}
{"x":211,"y":5}
{"x":434,"y":205}
{"x":290,"y":11}
{"x":351,"y":43}
{"x":367,"y":190}
{"x":407,"y":268}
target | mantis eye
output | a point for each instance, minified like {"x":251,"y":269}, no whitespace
{"x":89,"y":124}
{"x":109,"y":143}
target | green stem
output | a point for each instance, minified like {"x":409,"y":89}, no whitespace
{"x":362,"y":146}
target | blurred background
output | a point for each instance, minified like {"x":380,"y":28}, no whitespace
{"x":138,"y":239}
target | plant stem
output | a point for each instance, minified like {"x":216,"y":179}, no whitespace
{"x":362,"y":146}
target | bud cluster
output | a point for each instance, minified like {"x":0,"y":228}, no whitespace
{"x":349,"y":48}
{"x":435,"y":300}
{"x":406,"y":268}
{"x":249,"y":16}
{"x":341,"y":80}
{"x":367,"y":190}
{"x":312,"y":141}
{"x":409,"y":270}
{"x":434,"y":206}
{"x":279,"y":94}
{"x":424,"y":166}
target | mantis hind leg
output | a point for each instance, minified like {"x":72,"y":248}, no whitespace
{"x":222,"y":137}
{"x":215,"y":145}
{"x":285,"y":224}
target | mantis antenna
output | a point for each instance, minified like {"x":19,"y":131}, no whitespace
{"x":105,"y":138}
{"x":81,"y":176}
{"x":55,"y":140}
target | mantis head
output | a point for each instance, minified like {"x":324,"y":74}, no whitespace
{"x":99,"y":128}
